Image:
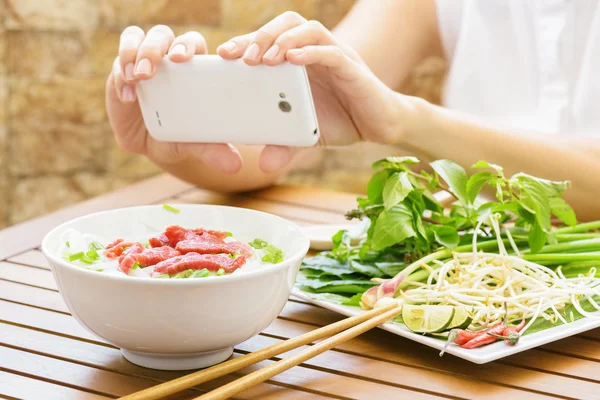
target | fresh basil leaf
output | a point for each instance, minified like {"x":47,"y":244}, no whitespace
{"x":431,"y":203}
{"x":445,"y":235}
{"x":396,"y":188}
{"x":366,"y":269}
{"x":341,"y":245}
{"x":551,"y":188}
{"x":376,"y":185}
{"x":485,"y":164}
{"x":563,"y":211}
{"x":537,"y":238}
{"x":475,"y":184}
{"x":392,"y":227}
{"x":396,"y":163}
{"x":535,"y":200}
{"x":420,"y":228}
{"x":500,"y":207}
{"x":416,"y":201}
{"x":455,"y":176}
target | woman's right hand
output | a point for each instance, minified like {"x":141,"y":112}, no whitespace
{"x":139,"y":54}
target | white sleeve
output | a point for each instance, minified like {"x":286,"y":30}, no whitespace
{"x":449,"y":15}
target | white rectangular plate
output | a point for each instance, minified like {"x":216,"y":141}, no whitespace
{"x":479,"y":355}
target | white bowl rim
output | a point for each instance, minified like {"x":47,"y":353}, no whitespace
{"x":203,"y":281}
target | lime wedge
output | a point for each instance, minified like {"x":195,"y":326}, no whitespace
{"x":427,"y":318}
{"x":461,"y":319}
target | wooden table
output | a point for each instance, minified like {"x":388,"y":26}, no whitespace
{"x":45,"y":354}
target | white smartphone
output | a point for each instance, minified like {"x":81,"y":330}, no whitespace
{"x":211,"y":100}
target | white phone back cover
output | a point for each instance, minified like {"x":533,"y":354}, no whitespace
{"x":211,"y":100}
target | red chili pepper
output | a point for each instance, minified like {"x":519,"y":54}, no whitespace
{"x":484,"y":338}
{"x":461,"y":336}
{"x":511,"y":333}
{"x":464,"y":336}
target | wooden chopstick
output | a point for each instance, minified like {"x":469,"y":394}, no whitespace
{"x":226,"y":391}
{"x":199,"y":377}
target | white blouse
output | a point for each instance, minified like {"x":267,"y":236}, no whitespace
{"x":529,"y":64}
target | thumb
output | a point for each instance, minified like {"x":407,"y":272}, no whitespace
{"x":275,"y":158}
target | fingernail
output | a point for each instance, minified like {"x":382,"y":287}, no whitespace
{"x":296,"y":52}
{"x":272,"y":52}
{"x":179,"y":49}
{"x":229,"y":46}
{"x":252,"y":52}
{"x":127,"y":93}
{"x":144,"y":67}
{"x":129,"y":72}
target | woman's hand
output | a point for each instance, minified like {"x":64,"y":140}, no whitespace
{"x":139,"y":54}
{"x":352,"y":103}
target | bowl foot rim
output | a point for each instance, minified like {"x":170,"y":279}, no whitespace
{"x":177,"y":362}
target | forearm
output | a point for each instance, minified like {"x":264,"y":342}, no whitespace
{"x":392,"y":36}
{"x":444,"y":133}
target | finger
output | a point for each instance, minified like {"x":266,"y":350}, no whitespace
{"x":235,"y":47}
{"x":131,"y":39}
{"x":125,"y":92}
{"x":221,"y":156}
{"x":186,"y":45}
{"x":152,"y":50}
{"x":309,"y":33}
{"x":254,"y":46}
{"x":266,"y":36}
{"x":328,"y":56}
{"x":275,"y":158}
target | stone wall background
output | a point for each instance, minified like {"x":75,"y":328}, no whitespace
{"x":56,"y":147}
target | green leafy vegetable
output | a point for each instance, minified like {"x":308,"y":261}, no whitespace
{"x":258,"y":244}
{"x":337,"y":286}
{"x":76,"y":256}
{"x":220,"y":272}
{"x":393,"y":226}
{"x":202,"y":273}
{"x":273,"y":255}
{"x":396,"y":188}
{"x":446,"y":235}
{"x":475,"y":183}
{"x":376,"y":185}
{"x":455,"y":176}
{"x":171,"y":208}
{"x":184,"y":274}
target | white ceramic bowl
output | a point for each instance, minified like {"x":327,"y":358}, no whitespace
{"x":183,"y":323}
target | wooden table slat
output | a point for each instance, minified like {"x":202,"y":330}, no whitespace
{"x":32,"y":276}
{"x":33,"y":258}
{"x":22,"y":387}
{"x":296,"y":213}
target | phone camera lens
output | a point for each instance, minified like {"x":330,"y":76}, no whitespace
{"x":285,"y":106}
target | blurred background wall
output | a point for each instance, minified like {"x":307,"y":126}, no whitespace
{"x":56,"y":147}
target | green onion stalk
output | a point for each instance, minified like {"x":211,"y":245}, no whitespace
{"x":575,"y":249}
